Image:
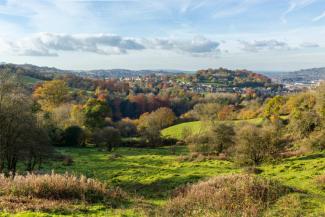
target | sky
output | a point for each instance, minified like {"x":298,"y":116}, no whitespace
{"x":266,"y":35}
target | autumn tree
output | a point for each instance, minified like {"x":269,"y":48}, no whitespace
{"x":273,"y":108}
{"x":95,"y":112}
{"x":51,"y":94}
{"x":207,"y":111}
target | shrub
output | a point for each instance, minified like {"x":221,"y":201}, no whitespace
{"x":302,"y":123}
{"x":216,"y":140}
{"x":127,"y":127}
{"x":317,"y":141}
{"x":74,"y":136}
{"x":231,"y":195}
{"x":108,"y":137}
{"x":59,"y":187}
{"x":256,"y":145}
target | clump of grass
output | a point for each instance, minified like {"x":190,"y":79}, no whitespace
{"x":60,"y":187}
{"x":18,"y":204}
{"x":232,"y":195}
{"x":199,"y":157}
{"x":320,"y":180}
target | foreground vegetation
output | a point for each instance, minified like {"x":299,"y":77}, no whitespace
{"x":151,"y":177}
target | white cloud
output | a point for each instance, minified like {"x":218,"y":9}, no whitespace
{"x":196,"y":46}
{"x":264,"y":45}
{"x":309,"y":45}
{"x":50,"y":44}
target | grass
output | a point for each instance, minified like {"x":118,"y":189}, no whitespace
{"x":140,"y":171}
{"x":301,"y":173}
{"x":30,"y":80}
{"x":196,"y":127}
{"x":151,"y":175}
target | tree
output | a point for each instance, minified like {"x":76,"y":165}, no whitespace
{"x":51,"y":94}
{"x":163,"y":117}
{"x":302,"y":123}
{"x":127,"y":127}
{"x":38,"y":147}
{"x":21,"y":136}
{"x":273,"y":106}
{"x":255,"y":145}
{"x":150,"y":124}
{"x":223,"y":137}
{"x":320,"y":94}
{"x":74,"y":136}
{"x":95,"y":113}
{"x":207,"y":111}
{"x":108,"y":137}
{"x":149,"y":129}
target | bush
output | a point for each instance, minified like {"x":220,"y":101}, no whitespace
{"x":108,"y":137}
{"x":256,"y":145}
{"x":59,"y":187}
{"x":74,"y":136}
{"x":217,"y":140}
{"x":232,"y":195}
{"x":303,"y":123}
{"x":316,"y":141}
{"x":127,"y":128}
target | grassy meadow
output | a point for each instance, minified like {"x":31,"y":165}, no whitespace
{"x":150,"y":175}
{"x":196,"y":127}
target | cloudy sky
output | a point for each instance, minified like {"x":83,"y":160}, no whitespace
{"x":277,"y":35}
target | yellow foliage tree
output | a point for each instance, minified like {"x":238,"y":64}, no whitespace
{"x":51,"y":94}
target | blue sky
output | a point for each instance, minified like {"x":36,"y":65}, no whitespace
{"x":164,"y":34}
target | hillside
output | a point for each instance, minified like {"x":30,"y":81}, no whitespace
{"x":43,"y":72}
{"x":302,"y":76}
{"x":199,"y":126}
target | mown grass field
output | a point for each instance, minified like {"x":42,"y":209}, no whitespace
{"x":195,"y":127}
{"x":150,"y":175}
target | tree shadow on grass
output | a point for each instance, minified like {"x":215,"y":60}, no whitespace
{"x":160,"y":189}
{"x":309,"y":157}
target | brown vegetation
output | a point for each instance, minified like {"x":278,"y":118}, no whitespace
{"x":60,"y":187}
{"x":231,"y":195}
{"x":321,"y":181}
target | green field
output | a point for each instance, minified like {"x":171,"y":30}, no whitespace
{"x":196,"y":127}
{"x":29,"y":80}
{"x":151,"y":174}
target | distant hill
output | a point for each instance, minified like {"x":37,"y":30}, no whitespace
{"x":230,"y":78}
{"x":120,"y":73}
{"x":45,"y":73}
{"x":302,"y":76}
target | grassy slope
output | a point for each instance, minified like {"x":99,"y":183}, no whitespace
{"x":29,"y":80}
{"x":153,"y":173}
{"x":199,"y":126}
{"x":300,"y":173}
